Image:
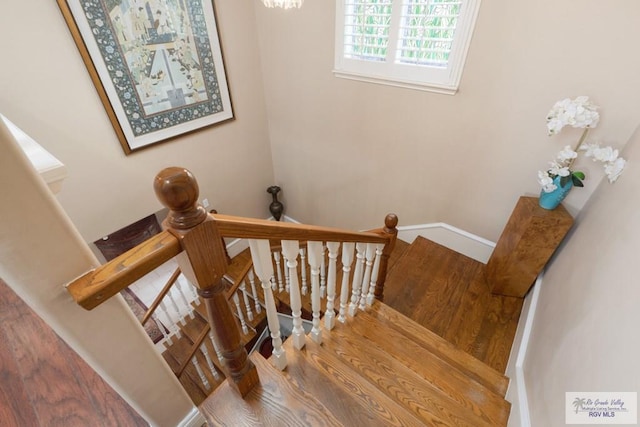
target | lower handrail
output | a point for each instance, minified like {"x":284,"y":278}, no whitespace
{"x":100,"y":284}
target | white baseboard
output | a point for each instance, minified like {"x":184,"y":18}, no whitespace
{"x":517,"y":391}
{"x":236,"y":246}
{"x":194,"y":419}
{"x":451,"y":237}
{"x":446,"y":235}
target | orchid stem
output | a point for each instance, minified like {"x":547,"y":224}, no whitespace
{"x":579,"y":144}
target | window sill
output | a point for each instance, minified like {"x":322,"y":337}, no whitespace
{"x":426,"y":87}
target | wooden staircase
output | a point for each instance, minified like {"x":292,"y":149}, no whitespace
{"x":368,"y":366}
{"x":381,"y":367}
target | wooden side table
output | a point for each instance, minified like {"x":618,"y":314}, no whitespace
{"x":530,"y":237}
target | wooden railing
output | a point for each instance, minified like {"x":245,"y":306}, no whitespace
{"x":195,"y":237}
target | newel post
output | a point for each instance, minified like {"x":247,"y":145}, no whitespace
{"x":390,"y":230}
{"x":203,"y":262}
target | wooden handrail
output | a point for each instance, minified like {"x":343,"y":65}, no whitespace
{"x":160,"y":296}
{"x":100,"y":284}
{"x":250,"y":228}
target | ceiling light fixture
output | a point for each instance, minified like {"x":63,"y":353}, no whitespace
{"x":285,"y":4}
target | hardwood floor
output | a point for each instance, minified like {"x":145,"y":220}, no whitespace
{"x":43,"y":382}
{"x":447,"y":293}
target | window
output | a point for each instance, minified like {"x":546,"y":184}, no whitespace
{"x":420,"y":44}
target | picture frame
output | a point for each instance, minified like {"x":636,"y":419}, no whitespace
{"x":157,"y":65}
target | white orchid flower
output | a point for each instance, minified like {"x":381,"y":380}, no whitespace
{"x":605,"y":154}
{"x":578,"y":113}
{"x":558,"y":169}
{"x":546,"y":182}
{"x":567,"y":153}
{"x":614,"y":169}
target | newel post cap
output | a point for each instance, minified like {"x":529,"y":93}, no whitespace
{"x":177,"y":189}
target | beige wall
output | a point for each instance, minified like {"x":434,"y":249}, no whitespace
{"x":585,"y":337}
{"x":45,"y":90}
{"x":41,"y":251}
{"x":346,"y":152}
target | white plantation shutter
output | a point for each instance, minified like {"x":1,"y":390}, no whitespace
{"x":412,"y":43}
{"x":427,"y":31}
{"x":366,"y":29}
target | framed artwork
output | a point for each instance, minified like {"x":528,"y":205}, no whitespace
{"x":157,"y":65}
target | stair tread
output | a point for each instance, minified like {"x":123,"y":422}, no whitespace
{"x":404,"y":385}
{"x":466,"y":324}
{"x":340,"y":384}
{"x":276,"y":401}
{"x":342,"y":390}
{"x":496,"y":332}
{"x":447,"y":369}
{"x":461,"y":360}
{"x":192,"y":327}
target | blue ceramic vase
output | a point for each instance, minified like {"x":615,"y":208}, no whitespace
{"x":551,"y":200}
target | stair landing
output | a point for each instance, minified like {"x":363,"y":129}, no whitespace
{"x":447,"y":293}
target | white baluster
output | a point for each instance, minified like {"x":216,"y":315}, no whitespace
{"x":254,"y":291}
{"x":356,"y":284}
{"x":287,"y":275}
{"x":179,"y":316}
{"x":200,"y":373}
{"x":315,"y":253}
{"x":347,"y":259}
{"x":374,"y":274}
{"x":173,"y":326}
{"x":260,"y":253}
{"x":329,"y":314}
{"x":212,"y":367}
{"x":192,"y":289}
{"x":156,"y":319}
{"x":184,"y":299}
{"x":215,"y":347}
{"x":290,"y":250}
{"x":323,"y":275}
{"x":247,"y":303}
{"x":303,"y":270}
{"x":243,"y":323}
{"x":276,"y":257}
{"x":370,"y":254}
